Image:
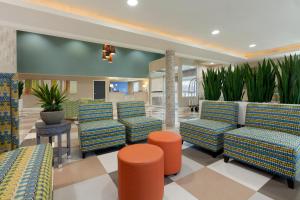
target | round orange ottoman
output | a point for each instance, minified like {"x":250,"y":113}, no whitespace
{"x":141,"y":172}
{"x":170,"y":143}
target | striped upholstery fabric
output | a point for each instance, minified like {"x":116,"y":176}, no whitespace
{"x":97,"y":129}
{"x":131,"y":109}
{"x":269,"y":141}
{"x":71,"y":109}
{"x":138,"y":128}
{"x":279,"y":117}
{"x":220,"y":111}
{"x":95,"y":112}
{"x":133,"y":116}
{"x":207,"y":132}
{"x":26,"y":173}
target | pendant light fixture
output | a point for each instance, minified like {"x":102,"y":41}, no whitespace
{"x":108,"y":51}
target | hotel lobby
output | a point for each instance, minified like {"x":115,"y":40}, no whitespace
{"x":149,"y":100}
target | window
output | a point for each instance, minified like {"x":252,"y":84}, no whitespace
{"x":189,"y":86}
{"x":136,"y":86}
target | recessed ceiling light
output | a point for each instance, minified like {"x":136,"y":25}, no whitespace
{"x":215,"y":32}
{"x":252,"y":45}
{"x":132,"y":3}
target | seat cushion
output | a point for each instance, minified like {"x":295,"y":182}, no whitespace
{"x":140,"y":121}
{"x":285,"y":140}
{"x":26,"y":173}
{"x":138,"y":128}
{"x":98,"y":125}
{"x":205,"y":133}
{"x":101,"y":134}
{"x":275,"y":151}
{"x":213,"y":127}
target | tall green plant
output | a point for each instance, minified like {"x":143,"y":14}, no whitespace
{"x":233,"y":83}
{"x":51,"y":99}
{"x":288,"y":78}
{"x":212,"y":84}
{"x":260,"y":81}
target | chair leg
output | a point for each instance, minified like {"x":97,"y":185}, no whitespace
{"x":291,"y":183}
{"x":83,"y":155}
{"x":226,"y":158}
{"x":214,"y":154}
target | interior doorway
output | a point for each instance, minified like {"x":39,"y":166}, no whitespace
{"x":99,"y":89}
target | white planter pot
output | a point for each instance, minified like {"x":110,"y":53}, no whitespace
{"x":20,"y":104}
{"x":242,"y":111}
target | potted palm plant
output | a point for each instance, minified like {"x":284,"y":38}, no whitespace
{"x":51,"y":100}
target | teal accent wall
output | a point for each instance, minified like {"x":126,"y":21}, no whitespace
{"x":42,"y":54}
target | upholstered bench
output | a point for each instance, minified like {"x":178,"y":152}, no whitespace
{"x":270,"y":140}
{"x":26,"y":173}
{"x":138,"y":125}
{"x":97,"y":129}
{"x":216,"y":118}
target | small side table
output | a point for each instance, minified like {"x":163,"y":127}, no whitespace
{"x":44,"y":130}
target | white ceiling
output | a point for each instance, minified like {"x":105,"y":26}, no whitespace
{"x":268,"y":23}
{"x":184,"y":25}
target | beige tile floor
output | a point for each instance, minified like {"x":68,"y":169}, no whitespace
{"x":202,"y":176}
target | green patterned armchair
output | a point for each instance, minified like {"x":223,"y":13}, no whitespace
{"x":133,"y":115}
{"x":208,"y":132}
{"x":71,"y":109}
{"x":97,"y":129}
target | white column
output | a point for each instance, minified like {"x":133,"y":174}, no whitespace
{"x":179,"y":86}
{"x":170,"y":89}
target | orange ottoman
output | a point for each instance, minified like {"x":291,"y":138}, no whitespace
{"x":141,"y":172}
{"x":170,"y":143}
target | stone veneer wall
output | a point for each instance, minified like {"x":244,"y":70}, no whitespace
{"x":8,"y":53}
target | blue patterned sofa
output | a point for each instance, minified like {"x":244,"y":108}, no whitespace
{"x":207,"y":132}
{"x":133,"y":116}
{"x":97,"y":129}
{"x":270,"y":140}
{"x":26,"y":173}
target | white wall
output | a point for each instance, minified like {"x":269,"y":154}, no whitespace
{"x":84,"y":89}
{"x":8,"y":52}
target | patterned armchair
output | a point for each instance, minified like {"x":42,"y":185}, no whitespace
{"x":208,"y":132}
{"x":133,"y":116}
{"x":97,"y":129}
{"x":270,"y":140}
{"x":26,"y":173}
{"x":71,"y":109}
